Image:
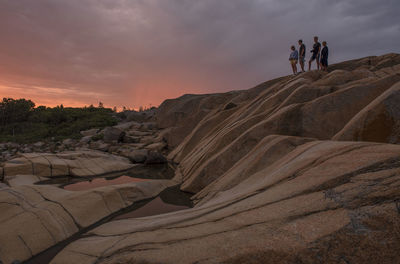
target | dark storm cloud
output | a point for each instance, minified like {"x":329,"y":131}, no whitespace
{"x":135,"y":52}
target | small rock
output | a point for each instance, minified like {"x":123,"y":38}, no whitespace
{"x":68,"y":142}
{"x":38,"y":144}
{"x":127,"y":125}
{"x":90,"y":132}
{"x":113,"y":134}
{"x":148,"y":126}
{"x":99,"y":145}
{"x":113,"y":149}
{"x":130,"y":139}
{"x":138,"y":155}
{"x":27,"y":150}
{"x":157,"y":146}
{"x":86,"y":139}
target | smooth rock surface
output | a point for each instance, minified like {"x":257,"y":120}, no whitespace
{"x":315,"y":198}
{"x":269,"y":184}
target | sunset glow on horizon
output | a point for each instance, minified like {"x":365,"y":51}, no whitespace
{"x":139,"y":53}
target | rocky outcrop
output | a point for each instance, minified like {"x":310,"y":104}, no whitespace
{"x":311,"y":200}
{"x":34,"y":218}
{"x":75,"y":164}
{"x":302,"y":169}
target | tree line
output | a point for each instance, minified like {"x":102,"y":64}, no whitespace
{"x":21,"y":121}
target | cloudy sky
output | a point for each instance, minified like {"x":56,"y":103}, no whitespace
{"x":140,"y":52}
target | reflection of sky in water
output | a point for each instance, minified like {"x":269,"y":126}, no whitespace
{"x":169,"y":200}
{"x":154,"y":207}
{"x":100,"y":182}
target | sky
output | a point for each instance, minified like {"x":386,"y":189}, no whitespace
{"x":140,"y":52}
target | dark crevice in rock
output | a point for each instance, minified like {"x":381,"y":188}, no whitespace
{"x":26,"y":245}
{"x":58,"y":203}
{"x":48,"y":254}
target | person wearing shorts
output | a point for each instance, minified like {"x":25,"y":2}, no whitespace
{"x":315,"y":53}
{"x":293,"y":58}
{"x":302,"y":54}
{"x":324,"y":56}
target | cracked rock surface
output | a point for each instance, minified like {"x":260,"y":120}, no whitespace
{"x":36,"y":217}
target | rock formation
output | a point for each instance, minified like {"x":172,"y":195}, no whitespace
{"x":300,"y":169}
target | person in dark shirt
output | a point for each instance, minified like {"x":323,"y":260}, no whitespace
{"x":302,"y":54}
{"x":315,"y":53}
{"x":324,"y":57}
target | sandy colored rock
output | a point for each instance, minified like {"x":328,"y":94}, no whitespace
{"x":36,"y":217}
{"x":78,"y":163}
{"x":158,"y":146}
{"x":312,"y":191}
{"x":20,"y":180}
{"x":378,"y":122}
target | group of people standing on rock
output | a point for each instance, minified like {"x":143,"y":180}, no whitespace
{"x":320,"y":56}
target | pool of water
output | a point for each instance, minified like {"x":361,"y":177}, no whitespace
{"x":169,"y":200}
{"x":136,"y":174}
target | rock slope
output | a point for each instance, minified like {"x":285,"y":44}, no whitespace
{"x":302,"y":169}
